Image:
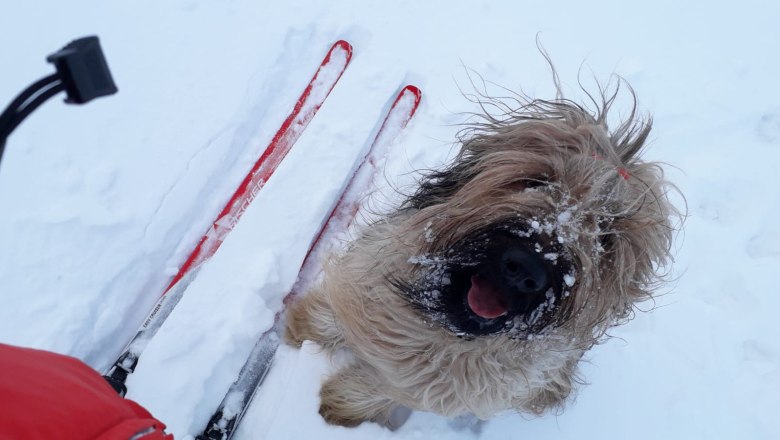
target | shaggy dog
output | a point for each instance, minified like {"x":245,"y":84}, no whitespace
{"x":483,"y":290}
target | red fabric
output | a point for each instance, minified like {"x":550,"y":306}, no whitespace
{"x":48,"y":396}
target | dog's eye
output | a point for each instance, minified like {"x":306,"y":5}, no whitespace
{"x":606,"y":236}
{"x":522,"y":185}
{"x":604,"y":242}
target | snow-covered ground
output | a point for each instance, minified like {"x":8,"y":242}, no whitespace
{"x":101,"y":203}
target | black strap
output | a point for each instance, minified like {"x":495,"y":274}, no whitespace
{"x":31,"y":98}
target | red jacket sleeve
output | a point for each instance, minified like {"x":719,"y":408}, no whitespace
{"x":45,"y":395}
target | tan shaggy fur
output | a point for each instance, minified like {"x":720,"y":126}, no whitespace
{"x":555,"y":169}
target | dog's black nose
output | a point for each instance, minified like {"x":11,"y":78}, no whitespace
{"x":524,"y":271}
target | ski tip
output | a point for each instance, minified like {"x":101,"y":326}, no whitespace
{"x":414,"y":90}
{"x":343,"y":45}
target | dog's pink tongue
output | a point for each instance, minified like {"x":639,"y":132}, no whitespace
{"x":485,"y":299}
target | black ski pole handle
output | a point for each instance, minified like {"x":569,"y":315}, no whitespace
{"x":82,"y":72}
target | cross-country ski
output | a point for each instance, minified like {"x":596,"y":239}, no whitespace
{"x":329,"y":72}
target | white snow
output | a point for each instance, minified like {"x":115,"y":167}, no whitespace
{"x":101,"y":203}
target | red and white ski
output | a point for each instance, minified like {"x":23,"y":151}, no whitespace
{"x":329,"y":72}
{"x":348,"y":204}
{"x":228,"y":414}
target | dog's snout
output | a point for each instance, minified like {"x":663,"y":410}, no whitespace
{"x":524,"y":271}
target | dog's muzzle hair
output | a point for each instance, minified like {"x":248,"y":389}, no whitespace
{"x":504,"y":278}
{"x":483,"y":290}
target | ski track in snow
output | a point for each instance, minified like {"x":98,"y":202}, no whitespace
{"x":102,"y":202}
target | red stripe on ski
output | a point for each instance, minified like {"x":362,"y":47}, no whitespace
{"x":328,"y":74}
{"x":348,"y":203}
{"x":277,"y":149}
